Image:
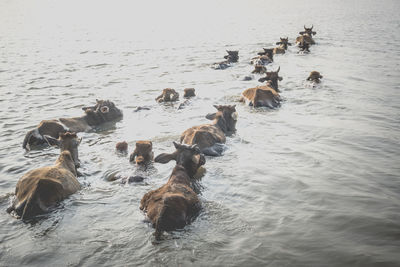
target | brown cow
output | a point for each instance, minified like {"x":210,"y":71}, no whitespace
{"x":283,"y":46}
{"x":315,"y":77}
{"x":273,"y":78}
{"x":103,"y":111}
{"x":174,"y":204}
{"x":261,"y":96}
{"x":40,"y":189}
{"x":143,"y":153}
{"x":168,"y":95}
{"x":121,"y":146}
{"x":306,"y":36}
{"x":209,"y":137}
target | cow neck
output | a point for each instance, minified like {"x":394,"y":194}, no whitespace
{"x":66,"y":163}
{"x":180,"y":175}
{"x":220,"y":122}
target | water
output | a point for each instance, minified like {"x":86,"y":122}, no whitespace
{"x":313,"y":183}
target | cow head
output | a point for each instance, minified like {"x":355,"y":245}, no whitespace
{"x":273,"y":78}
{"x":259,"y":69}
{"x":308,"y":31}
{"x":232,"y":56}
{"x":168,"y":95}
{"x":189,"y":92}
{"x":103,"y":111}
{"x":67,"y":142}
{"x":143,"y":153}
{"x":284,"y":42}
{"x":187,"y":156}
{"x":225,"y":117}
{"x":314,"y":76}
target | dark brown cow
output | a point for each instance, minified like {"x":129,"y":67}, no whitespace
{"x":121,"y":146}
{"x":315,"y":77}
{"x":189,"y":92}
{"x":168,"y":95}
{"x":40,"y":189}
{"x":103,"y":111}
{"x":209,"y":137}
{"x":143,"y":153}
{"x":283,"y":46}
{"x":232,"y":57}
{"x":175,"y":204}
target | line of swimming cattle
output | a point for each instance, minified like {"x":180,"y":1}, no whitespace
{"x":176,"y":203}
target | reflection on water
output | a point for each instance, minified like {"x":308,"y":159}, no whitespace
{"x":315,"y":182}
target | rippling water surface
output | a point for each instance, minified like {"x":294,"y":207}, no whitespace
{"x":312,"y":183}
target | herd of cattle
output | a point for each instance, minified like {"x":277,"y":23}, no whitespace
{"x":176,"y":203}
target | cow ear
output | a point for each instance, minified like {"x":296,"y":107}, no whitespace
{"x":51,"y":140}
{"x":164,"y":158}
{"x":211,"y":116}
{"x":289,"y":43}
{"x":302,"y":33}
{"x":218,"y":107}
{"x":280,"y":78}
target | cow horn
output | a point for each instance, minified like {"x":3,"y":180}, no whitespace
{"x":279,"y":68}
{"x":312,"y":26}
{"x":176,"y":145}
{"x":305,"y":27}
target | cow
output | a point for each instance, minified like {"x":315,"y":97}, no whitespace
{"x":143,"y":153}
{"x":209,"y":137}
{"x":283,"y":46}
{"x":306,"y":36}
{"x":40,"y":189}
{"x":168,"y":95}
{"x":121,"y":146}
{"x":261,"y":96}
{"x":103,"y":111}
{"x":189,"y":92}
{"x":265,"y":57}
{"x":273,"y":78}
{"x":314,"y":77}
{"x":175,"y":204}
{"x":232,"y":57}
